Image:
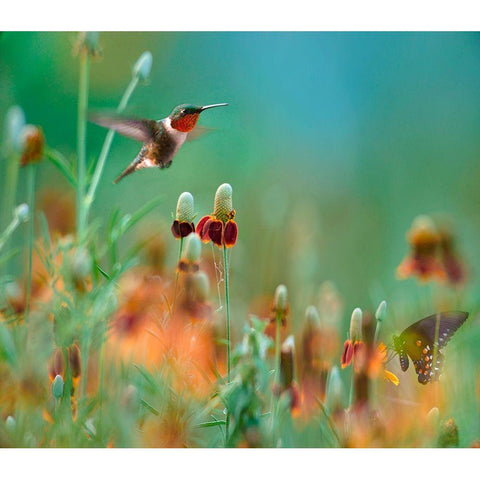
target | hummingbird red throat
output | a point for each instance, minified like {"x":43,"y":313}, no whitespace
{"x":161,"y":138}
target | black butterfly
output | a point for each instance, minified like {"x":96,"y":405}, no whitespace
{"x":418,"y":341}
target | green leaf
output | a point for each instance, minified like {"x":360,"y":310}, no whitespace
{"x":149,"y":407}
{"x":62,"y":164}
{"x":211,"y":424}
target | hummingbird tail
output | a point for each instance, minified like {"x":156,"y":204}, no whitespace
{"x":135,"y":165}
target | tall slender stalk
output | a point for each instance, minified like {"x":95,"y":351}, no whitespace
{"x":97,"y":174}
{"x":176,"y":276}
{"x":276,"y":382}
{"x":227,"y":304}
{"x":82,"y":141}
{"x":32,"y":175}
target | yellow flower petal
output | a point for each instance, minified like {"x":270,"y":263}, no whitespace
{"x":392,"y":377}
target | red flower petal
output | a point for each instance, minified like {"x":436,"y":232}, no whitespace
{"x":215,"y":232}
{"x":230,"y":234}
{"x":186,"y":229}
{"x":201,"y":231}
{"x":176,"y":229}
{"x":347,"y":354}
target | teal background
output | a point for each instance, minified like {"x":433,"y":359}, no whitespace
{"x":333,"y":143}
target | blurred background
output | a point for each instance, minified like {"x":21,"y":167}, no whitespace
{"x":332,"y":142}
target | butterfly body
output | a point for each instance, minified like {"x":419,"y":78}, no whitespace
{"x":423,"y":342}
{"x":161,"y":139}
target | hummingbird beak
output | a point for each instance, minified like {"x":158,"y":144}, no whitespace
{"x":206,"y":107}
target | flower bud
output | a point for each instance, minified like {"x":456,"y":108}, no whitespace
{"x":193,"y":248}
{"x":57,"y":387}
{"x":223,"y":208}
{"x":10,"y":423}
{"x":311,"y":316}
{"x":201,"y":286}
{"x":88,"y":42}
{"x":381,"y":312}
{"x":130,"y":397}
{"x":356,"y":325}
{"x":433,"y":416}
{"x":448,"y":437}
{"x":185,"y":208}
{"x":22,"y":212}
{"x":280,"y":299}
{"x":143,"y":66}
{"x":81,"y":264}
{"x":14,"y":122}
{"x":334,"y":392}
{"x":32,"y":142}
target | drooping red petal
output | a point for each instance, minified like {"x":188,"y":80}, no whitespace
{"x":215,"y":232}
{"x":347,"y":354}
{"x":230,"y":234}
{"x":359,"y":355}
{"x":186,"y":229}
{"x":201,"y":229}
{"x":176,"y":229}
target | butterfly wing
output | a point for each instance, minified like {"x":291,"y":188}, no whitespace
{"x":142,"y":130}
{"x":418,"y":341}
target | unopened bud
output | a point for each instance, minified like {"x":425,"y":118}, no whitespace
{"x":201,"y":286}
{"x":22,"y":212}
{"x":381,"y":312}
{"x":57,"y":387}
{"x":356,"y":325}
{"x":10,"y":423}
{"x":82,"y":264}
{"x":185,"y":208}
{"x":88,"y":42}
{"x":193,"y":248}
{"x":311,"y":316}
{"x":223,"y":208}
{"x":280,"y":299}
{"x":143,"y":66}
{"x":334,"y":393}
{"x":433,"y":416}
{"x":14,"y":122}
{"x":130,"y":397}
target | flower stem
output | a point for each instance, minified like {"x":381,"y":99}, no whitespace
{"x":32,"y":175}
{"x":176,"y":276}
{"x":227,"y":304}
{"x":97,"y":174}
{"x":82,"y":141}
{"x":8,"y":200}
{"x":276,"y":381}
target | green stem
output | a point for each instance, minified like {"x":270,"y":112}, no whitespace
{"x":176,"y":276}
{"x":13,"y":164}
{"x":227,"y":304}
{"x":82,"y":141}
{"x":97,"y":174}
{"x":11,"y":227}
{"x":32,"y":175}
{"x":276,"y":382}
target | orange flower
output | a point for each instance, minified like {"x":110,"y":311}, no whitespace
{"x":422,"y":261}
{"x":377,"y":364}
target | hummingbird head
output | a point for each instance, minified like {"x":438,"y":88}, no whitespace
{"x":184,"y":117}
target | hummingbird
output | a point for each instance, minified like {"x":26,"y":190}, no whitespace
{"x":161,"y":138}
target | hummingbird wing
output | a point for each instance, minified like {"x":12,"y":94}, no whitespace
{"x":139,"y":129}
